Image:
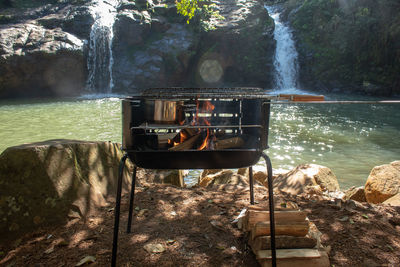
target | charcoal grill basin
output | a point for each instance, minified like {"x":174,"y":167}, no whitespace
{"x":195,"y":159}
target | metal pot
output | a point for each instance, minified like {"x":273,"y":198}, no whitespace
{"x":165,"y":111}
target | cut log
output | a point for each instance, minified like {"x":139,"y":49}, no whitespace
{"x":188,"y":144}
{"x":321,"y":261}
{"x":282,"y":242}
{"x":289,"y":228}
{"x":287,"y":205}
{"x":289,"y":254}
{"x":255,"y":216}
{"x":234,"y":142}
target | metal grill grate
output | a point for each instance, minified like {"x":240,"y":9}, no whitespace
{"x":181,"y":93}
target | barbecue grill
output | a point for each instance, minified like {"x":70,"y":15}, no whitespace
{"x":195,"y":128}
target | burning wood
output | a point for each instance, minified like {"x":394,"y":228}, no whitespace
{"x":190,"y":140}
{"x":203,"y":138}
{"x":187,"y":144}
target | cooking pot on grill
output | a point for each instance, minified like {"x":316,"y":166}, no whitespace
{"x":165,"y":111}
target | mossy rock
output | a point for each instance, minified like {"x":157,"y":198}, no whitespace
{"x":44,"y":183}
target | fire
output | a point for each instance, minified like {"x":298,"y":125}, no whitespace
{"x":199,"y":119}
{"x":207,"y":107}
{"x":183,"y":136}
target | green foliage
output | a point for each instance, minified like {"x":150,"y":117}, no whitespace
{"x":188,"y":8}
{"x":199,"y":8}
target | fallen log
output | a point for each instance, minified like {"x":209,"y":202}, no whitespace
{"x":288,"y":228}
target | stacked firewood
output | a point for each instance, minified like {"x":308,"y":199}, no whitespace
{"x":296,"y":238}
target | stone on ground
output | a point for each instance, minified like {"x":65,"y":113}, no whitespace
{"x":306,"y":177}
{"x":393,"y":201}
{"x":383,"y":182}
{"x":223,"y":177}
{"x":355,"y":193}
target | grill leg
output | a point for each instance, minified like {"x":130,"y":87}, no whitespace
{"x":271,"y":207}
{"x":131,"y":199}
{"x":117,"y":210}
{"x":251,"y":182}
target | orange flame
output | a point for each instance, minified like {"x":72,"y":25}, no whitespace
{"x":207,"y":107}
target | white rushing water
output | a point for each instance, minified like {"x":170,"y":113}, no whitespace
{"x":285,"y":59}
{"x":100,"y":59}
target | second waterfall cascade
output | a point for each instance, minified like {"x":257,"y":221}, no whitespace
{"x":285,"y":59}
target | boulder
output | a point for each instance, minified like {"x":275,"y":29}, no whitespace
{"x":43,"y":183}
{"x":355,"y":193}
{"x":259,"y":174}
{"x":207,"y":172}
{"x":223,"y":177}
{"x":243,"y":171}
{"x":307,"y":177}
{"x":393,"y":201}
{"x":383,"y":182}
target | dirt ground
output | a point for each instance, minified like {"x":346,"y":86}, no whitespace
{"x":194,"y":228}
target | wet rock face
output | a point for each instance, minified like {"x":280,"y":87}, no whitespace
{"x":157,"y":49}
{"x":149,"y":52}
{"x":241,"y":45}
{"x":344,"y":45}
{"x":40,"y":62}
{"x":42,"y":52}
{"x":44,"y":183}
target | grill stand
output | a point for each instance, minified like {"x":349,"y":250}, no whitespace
{"x":132,"y":196}
{"x":271,"y":207}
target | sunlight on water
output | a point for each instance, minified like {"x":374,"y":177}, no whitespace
{"x":98,"y":119}
{"x":349,"y":139}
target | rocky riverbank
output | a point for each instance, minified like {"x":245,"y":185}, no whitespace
{"x":193,"y":227}
{"x":46,"y":184}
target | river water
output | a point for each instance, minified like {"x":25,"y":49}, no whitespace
{"x":350,"y":139}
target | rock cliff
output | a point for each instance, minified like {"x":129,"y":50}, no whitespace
{"x":156,"y":48}
{"x":44,"y":46}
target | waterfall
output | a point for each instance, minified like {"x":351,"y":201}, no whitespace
{"x":285,"y":59}
{"x":100,"y":58}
